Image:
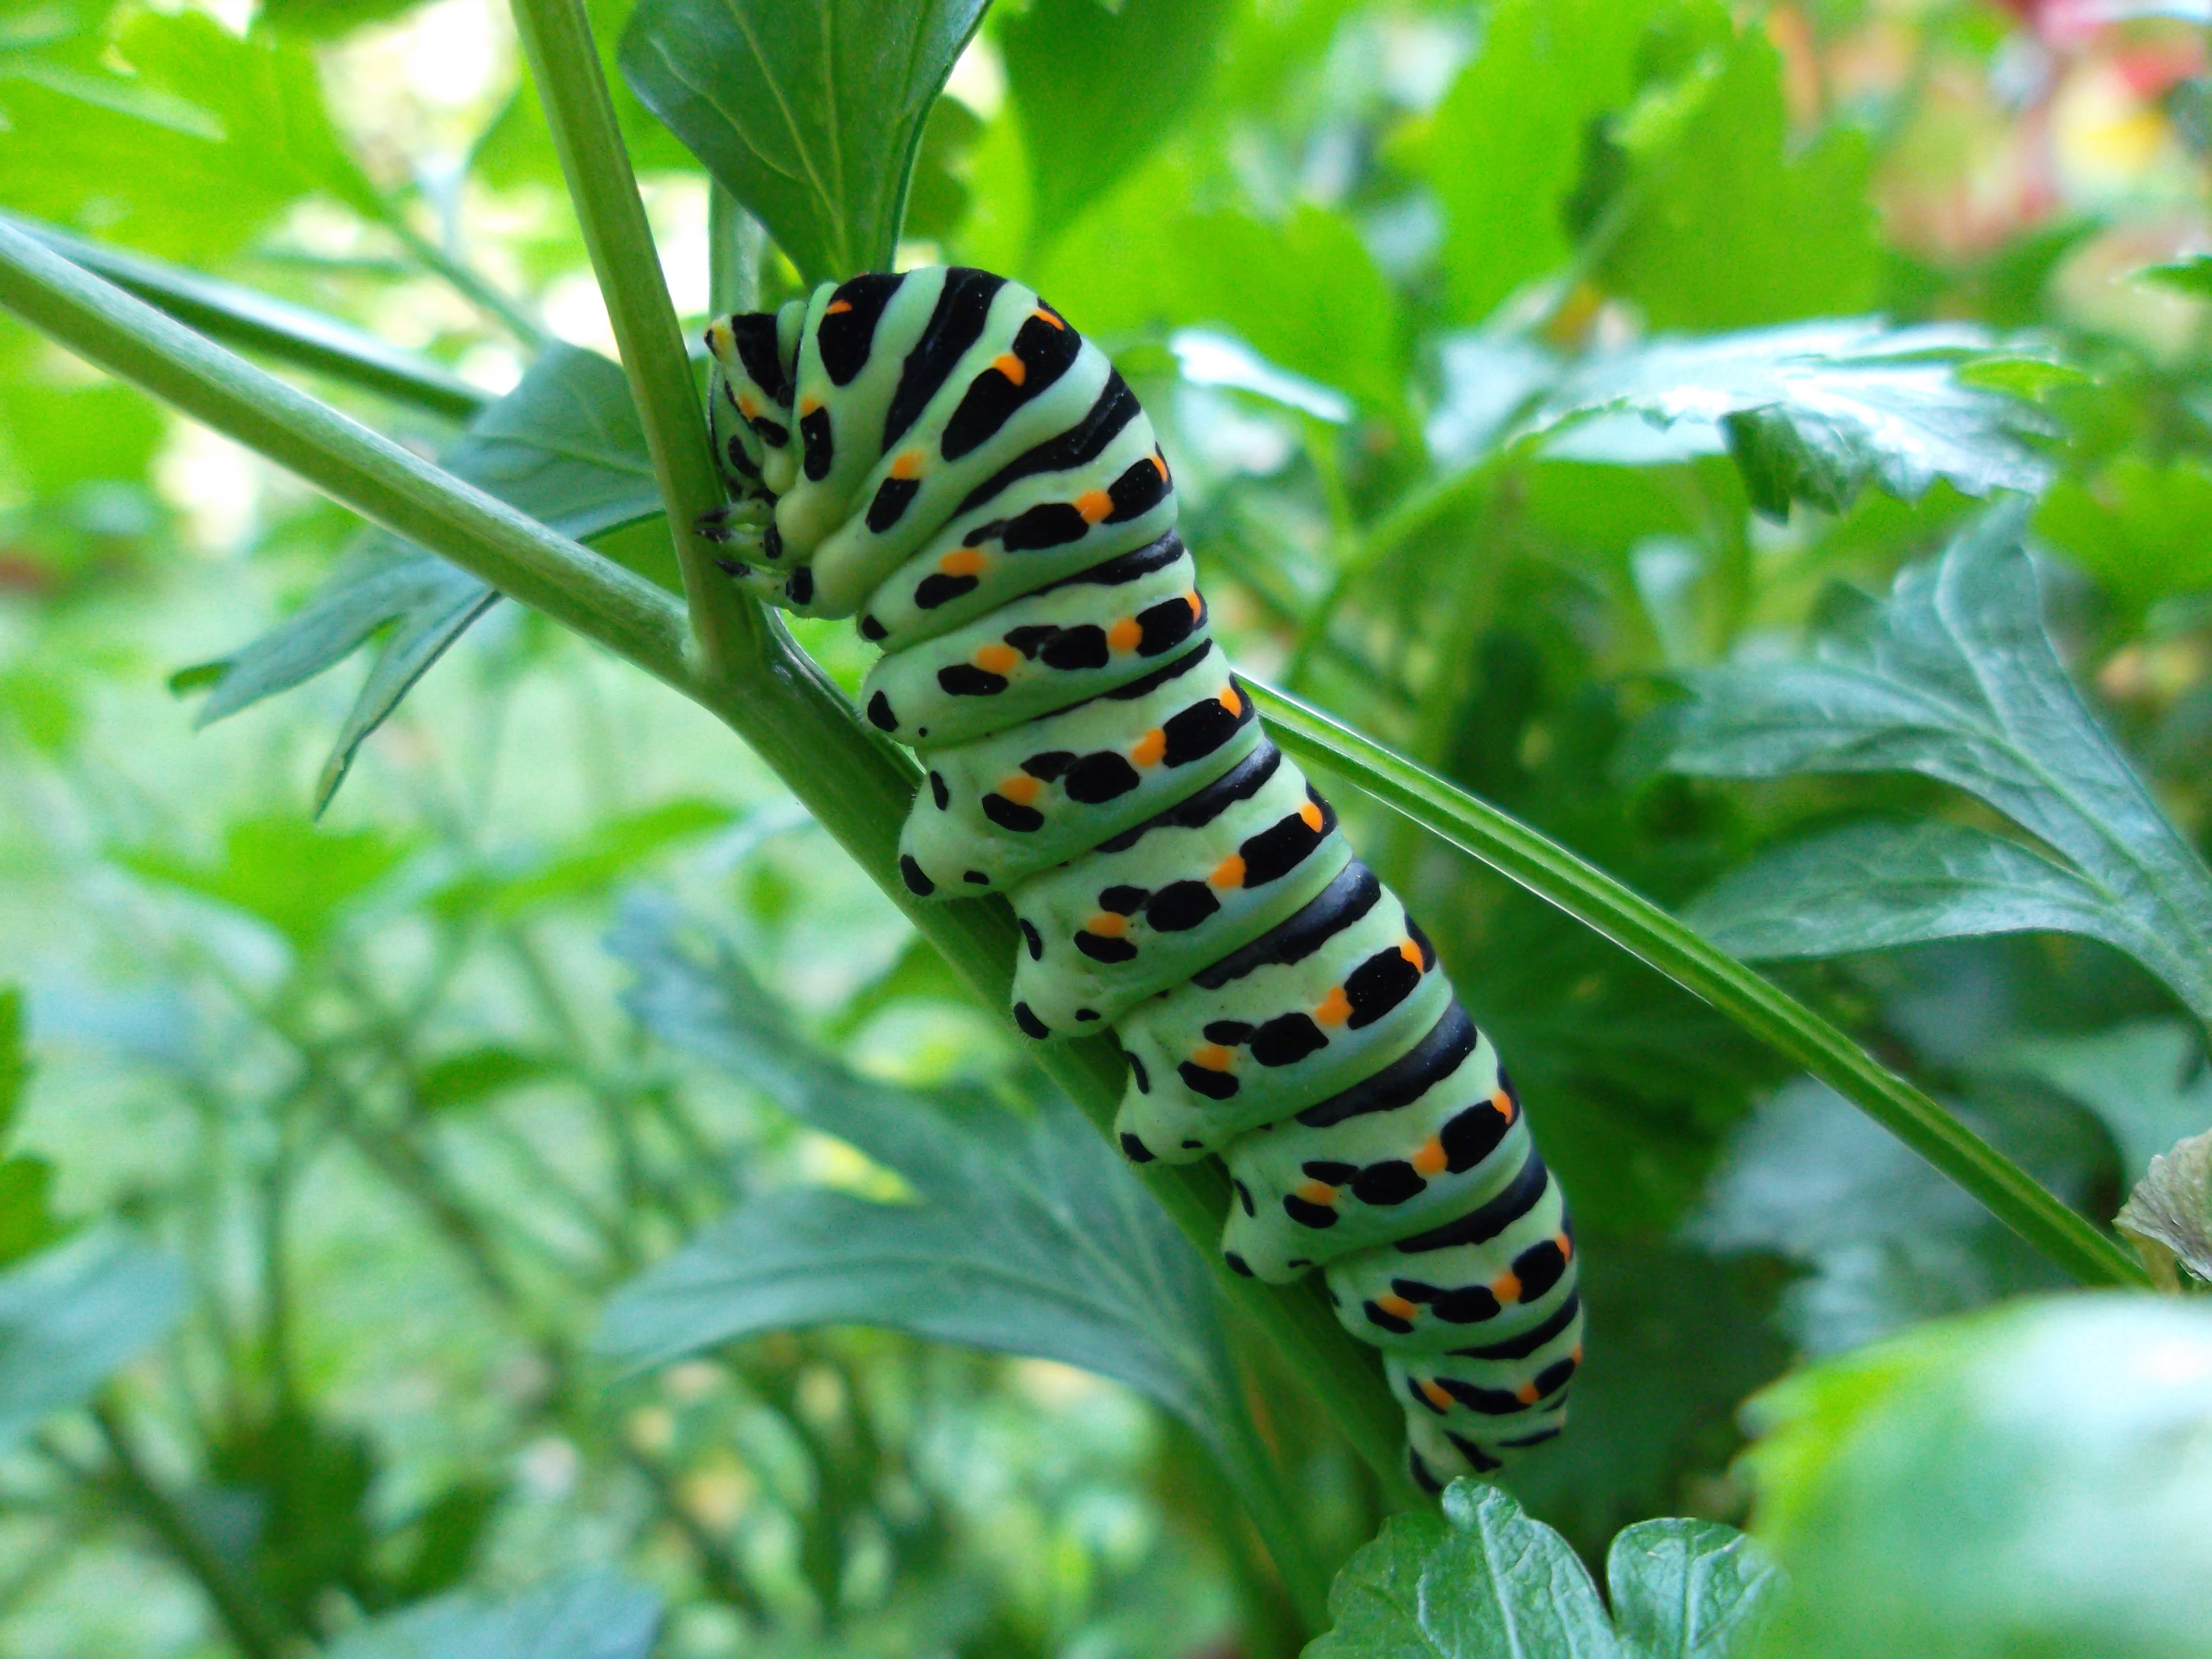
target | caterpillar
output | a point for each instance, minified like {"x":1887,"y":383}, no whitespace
{"x":939,"y":454}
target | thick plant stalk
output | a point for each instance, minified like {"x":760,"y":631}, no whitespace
{"x":728,"y":630}
{"x":1754,"y":1002}
{"x":854,"y":782}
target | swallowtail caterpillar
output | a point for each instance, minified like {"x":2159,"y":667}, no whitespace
{"x":939,"y":454}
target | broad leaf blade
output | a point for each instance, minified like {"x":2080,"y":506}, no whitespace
{"x":1952,"y":677}
{"x":2032,"y":1480}
{"x":74,"y":1315}
{"x":590,"y":1615}
{"x":1481,"y":1581}
{"x":1689,"y":1589}
{"x":1875,"y":885}
{"x":809,"y":114}
{"x":1089,"y":86}
{"x":1027,"y":1237}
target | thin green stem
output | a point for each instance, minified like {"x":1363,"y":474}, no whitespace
{"x":251,"y":1626}
{"x":727,"y":629}
{"x":292,"y":334}
{"x":1760,"y":1007}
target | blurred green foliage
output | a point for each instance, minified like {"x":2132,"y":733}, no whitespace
{"x":1557,"y":388}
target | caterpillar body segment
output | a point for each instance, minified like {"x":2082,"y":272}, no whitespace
{"x":939,"y":454}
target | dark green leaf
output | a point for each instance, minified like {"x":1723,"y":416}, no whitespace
{"x":2169,"y":1214}
{"x":326,"y":20}
{"x":27,"y":1219}
{"x":1952,"y":677}
{"x":590,"y":1615}
{"x":564,"y":445}
{"x":297,"y":878}
{"x":474,"y":1075}
{"x":1095,"y":90}
{"x":1871,"y":886}
{"x":1483,"y":1581}
{"x":2147,"y":1081}
{"x":14,"y":1064}
{"x":74,"y":1315}
{"x":1027,"y":1236}
{"x":1817,"y":410}
{"x":811,"y":115}
{"x":2036,"y":1479}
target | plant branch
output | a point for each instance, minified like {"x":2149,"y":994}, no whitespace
{"x":355,"y":467}
{"x":1760,"y":1007}
{"x":727,"y":627}
{"x":291,"y":334}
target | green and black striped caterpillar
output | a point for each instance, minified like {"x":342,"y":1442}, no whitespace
{"x":939,"y":454}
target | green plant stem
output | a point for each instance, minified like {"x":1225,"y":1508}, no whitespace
{"x":1759,"y":1007}
{"x":291,"y":334}
{"x":251,"y":1626}
{"x":855,"y":783}
{"x":727,"y":629}
{"x":377,"y":478}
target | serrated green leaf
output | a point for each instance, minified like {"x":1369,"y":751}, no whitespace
{"x":2169,"y":1215}
{"x":1817,"y":410}
{"x":809,"y":115}
{"x":1025,"y":1236}
{"x":1089,"y":88}
{"x":1872,"y":886}
{"x":1952,"y":677}
{"x":167,"y":132}
{"x":564,"y":445}
{"x":73,"y":1315}
{"x":2033,"y":1479}
{"x":589,"y":1615}
{"x":1485,"y":1581}
{"x":295,"y":877}
{"x":1689,"y":1589}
